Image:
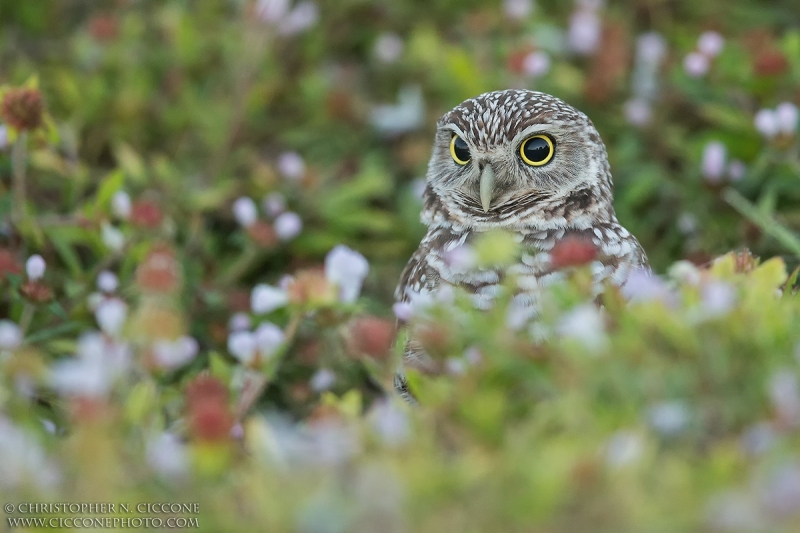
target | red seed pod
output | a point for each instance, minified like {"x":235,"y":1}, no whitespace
{"x":370,"y":336}
{"x":572,"y":251}
{"x":23,"y":108}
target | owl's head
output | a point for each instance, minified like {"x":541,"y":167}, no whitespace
{"x":519,"y":157}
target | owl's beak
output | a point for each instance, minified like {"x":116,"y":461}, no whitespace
{"x":487,"y":187}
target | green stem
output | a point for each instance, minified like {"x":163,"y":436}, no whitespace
{"x":769,"y":225}
{"x":27,"y":317}
{"x":19,"y":156}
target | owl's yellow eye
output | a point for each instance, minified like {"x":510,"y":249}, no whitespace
{"x":459,"y":150}
{"x":537,"y":150}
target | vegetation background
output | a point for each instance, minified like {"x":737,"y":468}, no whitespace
{"x":164,"y":165}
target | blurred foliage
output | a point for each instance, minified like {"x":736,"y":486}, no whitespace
{"x":135,"y":131}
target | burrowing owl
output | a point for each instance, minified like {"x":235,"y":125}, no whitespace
{"x":531,"y":164}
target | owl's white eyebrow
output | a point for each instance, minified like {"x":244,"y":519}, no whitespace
{"x":530,"y":130}
{"x":455,"y":129}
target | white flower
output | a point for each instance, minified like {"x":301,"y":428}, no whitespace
{"x":24,"y":459}
{"x":291,"y":166}
{"x":98,"y":364}
{"x":10,"y":335}
{"x":584,"y":32}
{"x":685,"y":272}
{"x":786,"y":116}
{"x":346,"y":269}
{"x":766,"y":123}
{"x":518,"y":9}
{"x":167,"y":455}
{"x":624,"y":448}
{"x":717,"y":298}
{"x":245,"y":211}
{"x":242,"y":345}
{"x":35,"y":267}
{"x":758,"y":439}
{"x":643,"y":286}
{"x":687,"y":223}
{"x":638,"y":111}
{"x":239,"y":321}
{"x":174,"y":354}
{"x":695,"y":64}
{"x":520,"y":311}
{"x":585,"y":324}
{"x":455,"y":366}
{"x":651,"y":48}
{"x":272,"y":11}
{"x":461,"y":258}
{"x":714,"y":157}
{"x":669,"y":418}
{"x":110,"y":315}
{"x":107,"y":281}
{"x":403,"y":310}
{"x":780,"y":492}
{"x":121,"y":205}
{"x":405,"y":116}
{"x":94,"y":299}
{"x":299,"y":19}
{"x":112,"y":237}
{"x":388,"y":48}
{"x":274,"y":204}
{"x":785,"y":395}
{"x":710,"y":43}
{"x":735,"y":510}
{"x":268,"y":338}
{"x":536,"y":64}
{"x":288,"y":226}
{"x":3,"y":136}
{"x":266,"y":298}
{"x":390,"y":423}
{"x":323,"y":379}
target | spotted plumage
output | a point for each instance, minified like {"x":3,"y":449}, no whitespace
{"x":570,"y":194}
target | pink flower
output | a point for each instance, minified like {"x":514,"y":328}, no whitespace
{"x":291,"y":166}
{"x":736,"y":170}
{"x":695,"y":64}
{"x":245,"y":211}
{"x":274,"y":204}
{"x":584,"y":32}
{"x":299,"y":19}
{"x":461,"y":258}
{"x":518,"y":9}
{"x":288,"y":226}
{"x":536,"y":64}
{"x":786,"y":116}
{"x":710,"y":43}
{"x":388,"y":48}
{"x":346,"y":269}
{"x":403,"y":310}
{"x":107,"y":281}
{"x":638,"y":111}
{"x":766,"y":123}
{"x":714,"y":156}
